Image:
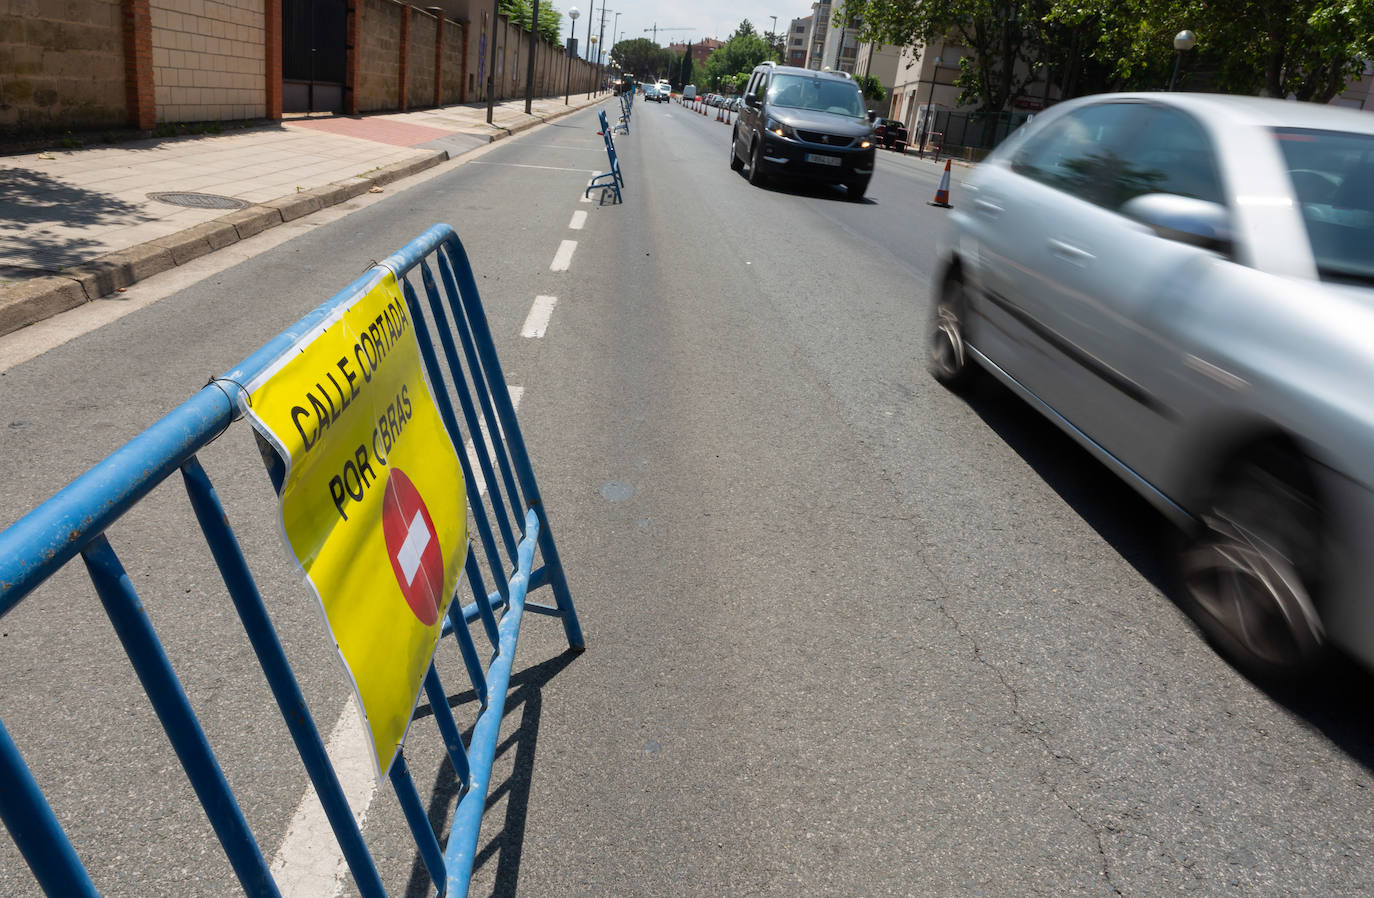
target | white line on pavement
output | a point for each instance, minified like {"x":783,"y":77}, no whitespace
{"x":579,"y":219}
{"x":563,"y":258}
{"x":309,"y":863}
{"x":589,"y":171}
{"x":540,"y":313}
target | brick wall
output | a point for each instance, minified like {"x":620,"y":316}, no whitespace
{"x":420,"y":88}
{"x":208,"y":60}
{"x":379,"y":68}
{"x":61,"y":66}
{"x":452,"y":82}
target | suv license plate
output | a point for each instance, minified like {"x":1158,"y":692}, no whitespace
{"x":822,"y":160}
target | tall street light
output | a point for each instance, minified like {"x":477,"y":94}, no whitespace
{"x":572,"y":36}
{"x":587,"y":53}
{"x":925,"y":119}
{"x":529,"y":69}
{"x":1184,"y":40}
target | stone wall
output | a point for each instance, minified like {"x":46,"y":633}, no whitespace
{"x":379,"y":68}
{"x":423,"y":32}
{"x":61,"y":66}
{"x":208,"y":62}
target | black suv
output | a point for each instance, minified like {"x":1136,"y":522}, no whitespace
{"x":801,"y":123}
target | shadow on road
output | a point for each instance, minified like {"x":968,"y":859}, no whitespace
{"x":1332,"y":701}
{"x":507,"y":844}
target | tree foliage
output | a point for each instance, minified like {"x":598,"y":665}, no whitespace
{"x":737,"y":56}
{"x":686,"y":68}
{"x":550,"y":19}
{"x":642,"y":57}
{"x":1308,"y":49}
{"x":872,"y":88}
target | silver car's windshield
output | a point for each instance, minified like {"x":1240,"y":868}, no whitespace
{"x":821,"y":94}
{"x":1333,"y":177}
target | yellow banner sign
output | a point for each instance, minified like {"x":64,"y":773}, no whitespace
{"x":372,"y":503}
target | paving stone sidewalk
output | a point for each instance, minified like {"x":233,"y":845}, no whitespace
{"x":76,"y":225}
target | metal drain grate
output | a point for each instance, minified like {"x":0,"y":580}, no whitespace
{"x":198,"y":200}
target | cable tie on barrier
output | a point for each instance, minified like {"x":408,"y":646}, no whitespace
{"x":236,"y":410}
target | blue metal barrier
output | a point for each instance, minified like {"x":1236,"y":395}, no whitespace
{"x":73,"y":522}
{"x":608,"y":179}
{"x":623,"y":125}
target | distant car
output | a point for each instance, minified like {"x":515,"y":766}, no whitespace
{"x":890,"y":133}
{"x":655,"y":94}
{"x":1184,"y":283}
{"x":804,"y":124}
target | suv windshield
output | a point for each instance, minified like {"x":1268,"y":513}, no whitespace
{"x":820,"y":94}
{"x":1333,"y":177}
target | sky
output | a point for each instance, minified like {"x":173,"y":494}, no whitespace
{"x":709,"y":18}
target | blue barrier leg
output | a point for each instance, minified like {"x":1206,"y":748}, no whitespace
{"x":173,"y":709}
{"x":516,"y":443}
{"x":458,"y":624}
{"x":467,"y":820}
{"x":34,"y":828}
{"x":443,"y":716}
{"x":285,"y":689}
{"x":414,"y":810}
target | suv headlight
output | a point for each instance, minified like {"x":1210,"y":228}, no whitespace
{"x":781,"y":129}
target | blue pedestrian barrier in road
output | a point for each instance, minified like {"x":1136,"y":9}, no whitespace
{"x":626,"y":101}
{"x":504,"y":507}
{"x":612,"y":179}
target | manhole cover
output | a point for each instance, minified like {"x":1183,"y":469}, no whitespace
{"x":198,"y":200}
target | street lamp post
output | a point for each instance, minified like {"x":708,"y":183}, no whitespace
{"x":587,"y":53}
{"x":529,"y":68}
{"x":572,"y":36}
{"x":1184,"y":40}
{"x":925,"y":119}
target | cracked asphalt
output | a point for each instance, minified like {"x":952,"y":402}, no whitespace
{"x":848,"y":633}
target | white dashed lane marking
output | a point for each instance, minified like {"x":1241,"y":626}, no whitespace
{"x":563,"y":258}
{"x":579,"y":220}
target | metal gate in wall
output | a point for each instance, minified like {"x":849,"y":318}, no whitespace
{"x":314,"y":58}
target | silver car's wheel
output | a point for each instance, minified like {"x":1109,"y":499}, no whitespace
{"x":756,"y":175}
{"x":947,"y":355}
{"x":736,"y":163}
{"x":1248,"y":575}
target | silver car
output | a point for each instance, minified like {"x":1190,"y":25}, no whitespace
{"x":1185,"y":284}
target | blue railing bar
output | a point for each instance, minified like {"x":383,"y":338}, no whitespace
{"x":539,"y":578}
{"x":448,"y":728}
{"x":34,"y":828}
{"x":414,"y":809}
{"x":257,"y":624}
{"x":479,"y":444}
{"x":173,"y":709}
{"x":57,"y":530}
{"x":479,"y":513}
{"x":486,"y":381}
{"x":467,"y":819}
{"x":510,"y":427}
{"x":476,"y":675}
{"x":550,"y":610}
{"x":483,"y":608}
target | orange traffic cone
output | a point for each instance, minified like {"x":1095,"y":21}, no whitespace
{"x":720,"y":114}
{"x":727,"y":115}
{"x":942,"y":191}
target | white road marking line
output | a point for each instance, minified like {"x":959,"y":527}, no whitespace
{"x":515,"y":394}
{"x":563,"y":258}
{"x":588,"y":171}
{"x":579,"y":220}
{"x":309,"y":863}
{"x":538,"y":320}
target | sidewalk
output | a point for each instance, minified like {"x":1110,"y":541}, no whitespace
{"x":76,"y":225}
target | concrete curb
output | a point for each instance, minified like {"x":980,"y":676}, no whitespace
{"x":31,"y":301}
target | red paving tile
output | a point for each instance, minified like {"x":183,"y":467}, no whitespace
{"x":397,"y":134}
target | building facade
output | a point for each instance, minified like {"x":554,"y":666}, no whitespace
{"x":796,"y":41}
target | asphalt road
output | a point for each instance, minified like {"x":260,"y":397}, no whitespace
{"x":848,"y":634}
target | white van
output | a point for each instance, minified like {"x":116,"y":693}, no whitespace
{"x":689,"y":92}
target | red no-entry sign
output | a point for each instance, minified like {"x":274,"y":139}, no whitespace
{"x":413,"y":547}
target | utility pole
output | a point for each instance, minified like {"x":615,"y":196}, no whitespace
{"x":591,"y":11}
{"x":491,"y":59}
{"x":529,"y":71}
{"x":599,"y":44}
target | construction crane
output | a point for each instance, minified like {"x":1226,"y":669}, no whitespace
{"x":656,"y":30}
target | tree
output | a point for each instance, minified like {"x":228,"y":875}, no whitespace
{"x":779,"y":44}
{"x":685,"y":73}
{"x":642,"y":57}
{"x":998,"y":34}
{"x":872,"y":88}
{"x":550,"y":19}
{"x":738,"y":55}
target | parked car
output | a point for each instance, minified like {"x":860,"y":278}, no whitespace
{"x":804,"y":124}
{"x":1184,"y":283}
{"x":890,"y":133}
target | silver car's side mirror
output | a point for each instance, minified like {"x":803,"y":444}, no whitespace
{"x":1183,"y":218}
